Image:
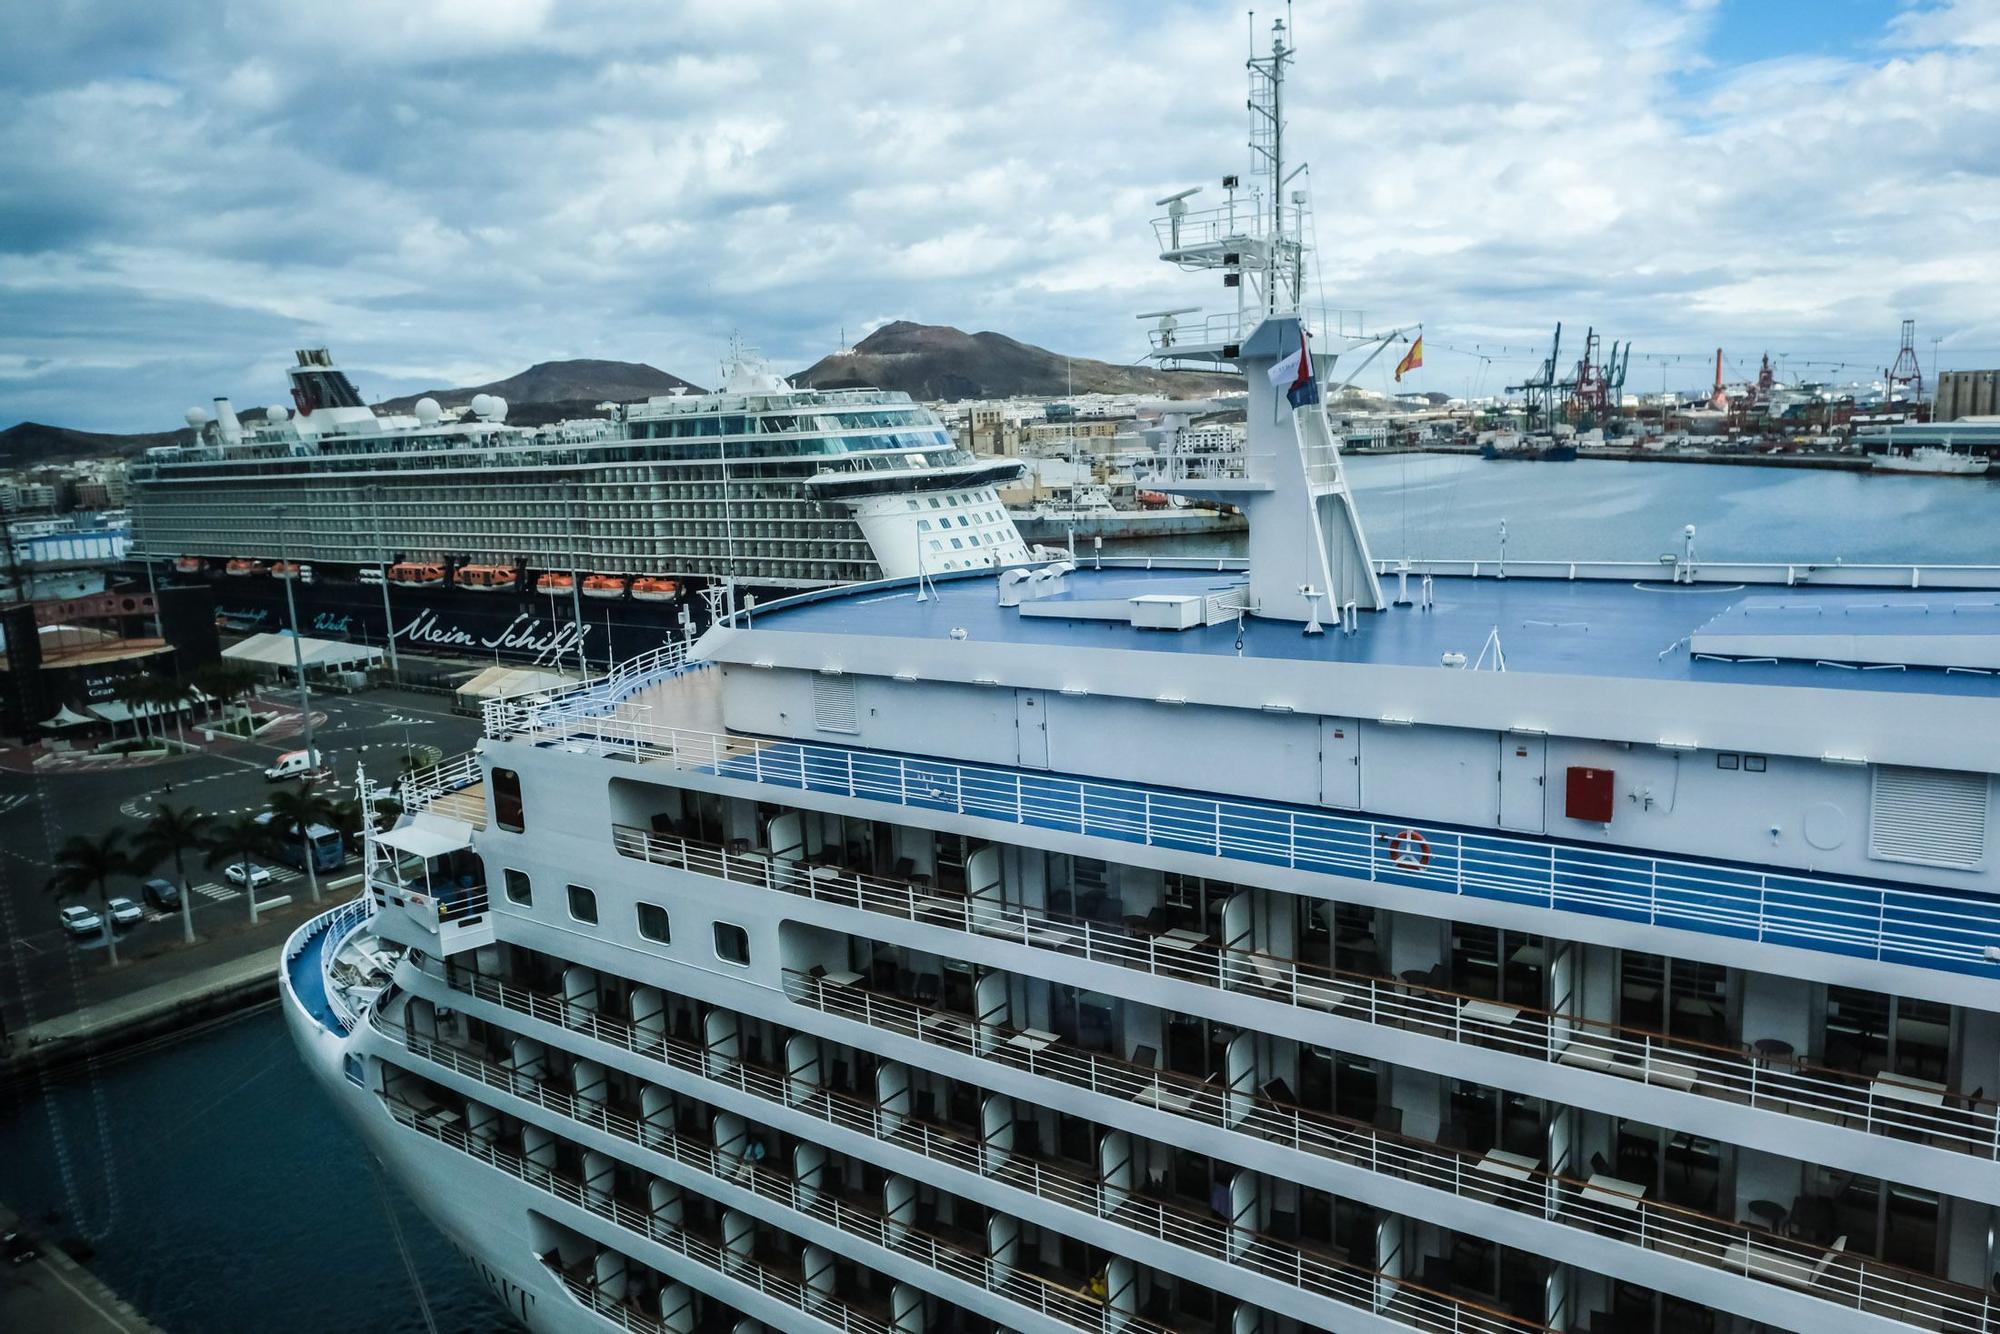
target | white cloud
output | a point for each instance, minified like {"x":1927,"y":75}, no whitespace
{"x":450,"y":191}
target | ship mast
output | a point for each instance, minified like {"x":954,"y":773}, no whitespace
{"x":1309,"y":560}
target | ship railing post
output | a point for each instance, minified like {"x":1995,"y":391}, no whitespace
{"x":1146,"y":799}
{"x":849,"y":756}
{"x":902,"y":781}
{"x":1020,"y":800}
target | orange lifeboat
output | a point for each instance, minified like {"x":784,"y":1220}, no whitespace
{"x":285,"y":569}
{"x":555,"y":582}
{"x":1153,"y":500}
{"x":652,"y":588}
{"x":241,"y":567}
{"x":416,"y":574}
{"x":187,"y":564}
{"x":488,"y":578}
{"x":604,"y":586}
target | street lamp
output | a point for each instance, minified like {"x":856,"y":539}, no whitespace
{"x":382,"y":551}
{"x":298,"y":644}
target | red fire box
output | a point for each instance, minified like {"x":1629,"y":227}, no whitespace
{"x":1587,"y":795}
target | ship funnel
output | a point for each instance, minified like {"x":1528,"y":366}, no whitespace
{"x":226,"y":424}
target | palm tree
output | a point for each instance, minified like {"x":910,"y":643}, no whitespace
{"x":294,"y":811}
{"x":133,"y":692}
{"x":175,"y":831}
{"x":228,"y":681}
{"x":87,"y":866}
{"x":349,"y":819}
{"x":239,"y":842}
{"x":170,"y":695}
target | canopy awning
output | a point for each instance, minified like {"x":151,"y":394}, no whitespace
{"x":505,"y":682}
{"x":68,"y":717}
{"x":428,"y":836}
{"x":276,"y":650}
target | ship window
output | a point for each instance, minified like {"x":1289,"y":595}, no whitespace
{"x":519,"y":891}
{"x":508,"y":812}
{"x":732,"y":943}
{"x":923,"y":525}
{"x":653,"y":923}
{"x":583,"y":904}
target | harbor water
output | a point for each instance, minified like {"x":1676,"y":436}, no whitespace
{"x":222,"y":1193}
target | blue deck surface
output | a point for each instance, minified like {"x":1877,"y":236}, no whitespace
{"x":309,"y":979}
{"x":1561,"y":627}
{"x":1862,"y":613}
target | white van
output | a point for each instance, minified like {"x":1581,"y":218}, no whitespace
{"x":296,"y":764}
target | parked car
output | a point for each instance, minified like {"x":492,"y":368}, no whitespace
{"x":18,"y":1246}
{"x":161,"y":893}
{"x":81,"y":921}
{"x":246,"y":873}
{"x":124,"y":912}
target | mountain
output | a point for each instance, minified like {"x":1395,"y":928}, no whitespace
{"x":934,"y":361}
{"x":31,"y":444}
{"x":552,"y":390}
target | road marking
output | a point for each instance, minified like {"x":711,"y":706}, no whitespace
{"x":14,"y":799}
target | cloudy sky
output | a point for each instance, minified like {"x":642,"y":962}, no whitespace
{"x":447,"y":192}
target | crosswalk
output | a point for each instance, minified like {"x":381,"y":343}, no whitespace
{"x":223,"y":892}
{"x":14,"y":801}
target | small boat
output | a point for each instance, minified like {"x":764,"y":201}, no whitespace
{"x":284,"y":569}
{"x":1153,"y":500}
{"x":187,"y":564}
{"x":241,"y":567}
{"x":416,"y":574}
{"x":488,"y":578}
{"x":604,"y":586}
{"x":652,"y":588}
{"x":1933,"y":460}
{"x":555,"y":582}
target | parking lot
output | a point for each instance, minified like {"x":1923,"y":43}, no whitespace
{"x":44,"y":971}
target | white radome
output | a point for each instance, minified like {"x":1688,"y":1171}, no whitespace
{"x":277,"y":413}
{"x":428,"y":411}
{"x":197,"y":417}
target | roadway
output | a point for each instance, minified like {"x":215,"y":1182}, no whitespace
{"x":43,"y":972}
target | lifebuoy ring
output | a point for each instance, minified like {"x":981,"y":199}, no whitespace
{"x":1410,"y":849}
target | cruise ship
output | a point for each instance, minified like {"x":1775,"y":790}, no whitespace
{"x":610,"y":533}
{"x":1298,"y":944}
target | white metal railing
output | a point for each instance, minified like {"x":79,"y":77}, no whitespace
{"x":1714,"y":572}
{"x":1321,"y":1273}
{"x":1835,"y":1275}
{"x":420,"y":787}
{"x":642,"y":1223}
{"x":1903,"y":924}
{"x":1776,"y":1083}
{"x":341,"y":923}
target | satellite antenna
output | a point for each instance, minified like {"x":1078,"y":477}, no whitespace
{"x":1176,"y":207}
{"x":1168,"y":323}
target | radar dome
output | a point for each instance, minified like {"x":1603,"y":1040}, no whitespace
{"x":428,"y":411}
{"x":277,"y":413}
{"x":198,"y":417}
{"x":484,"y":406}
{"x":499,"y":408}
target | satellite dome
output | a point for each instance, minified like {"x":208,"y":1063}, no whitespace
{"x":484,"y":407}
{"x":428,"y":411}
{"x":499,"y":408}
{"x":198,"y":417}
{"x":277,"y":413}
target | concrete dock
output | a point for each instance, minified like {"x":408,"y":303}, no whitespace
{"x":53,"y":1294}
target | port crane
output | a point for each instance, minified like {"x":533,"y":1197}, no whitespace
{"x":1541,"y":389}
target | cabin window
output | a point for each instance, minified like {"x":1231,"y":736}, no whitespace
{"x":508,"y":812}
{"x":519,"y":891}
{"x":732,"y":943}
{"x":653,"y":924}
{"x":583,"y":904}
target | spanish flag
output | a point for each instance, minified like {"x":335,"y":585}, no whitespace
{"x":1412,"y":359}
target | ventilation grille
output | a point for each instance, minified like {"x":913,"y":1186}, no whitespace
{"x":833,"y":704}
{"x":1934,"y":817}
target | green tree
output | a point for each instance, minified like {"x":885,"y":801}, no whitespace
{"x":173,"y":832}
{"x":170,"y":695}
{"x":227,"y":681}
{"x":135,"y":692}
{"x":350,"y":820}
{"x":239,"y":842}
{"x":294,"y":810}
{"x":85,"y":865}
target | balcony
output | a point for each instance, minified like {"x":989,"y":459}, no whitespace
{"x":1959,"y":1123}
{"x":1597,"y":1203}
{"x":1910,"y":925}
{"x":1041,"y":1296}
{"x":1319,"y":1273}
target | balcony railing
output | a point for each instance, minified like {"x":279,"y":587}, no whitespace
{"x":340,"y":924}
{"x":1777,"y":1084}
{"x":1339,"y":1280}
{"x":1912,"y":925}
{"x":641,"y":1223}
{"x":1830,"y":1274}
{"x":1039,"y":1295}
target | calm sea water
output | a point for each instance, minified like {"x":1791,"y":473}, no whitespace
{"x":230,"y":1197}
{"x":1451,"y":506}
{"x":223,"y":1194}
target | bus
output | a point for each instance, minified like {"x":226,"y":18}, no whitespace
{"x":329,"y":849}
